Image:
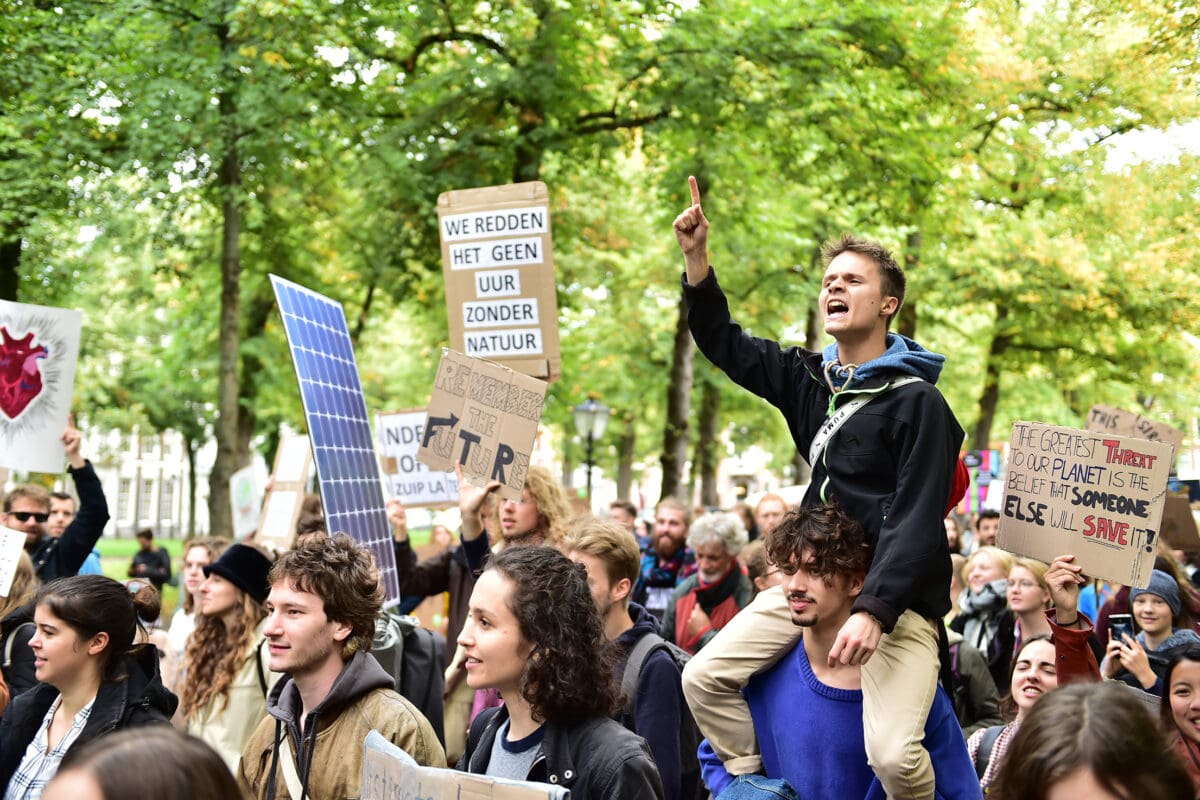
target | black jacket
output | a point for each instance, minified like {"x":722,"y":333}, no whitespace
{"x":138,"y":699}
{"x":890,"y":466}
{"x":597,"y":760}
{"x":62,"y":557}
{"x":16,"y":630}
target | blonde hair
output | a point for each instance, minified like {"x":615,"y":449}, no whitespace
{"x":1038,"y":570}
{"x":24,"y":585}
{"x":554,"y":512}
{"x":1001,"y":558}
{"x":608,"y":542}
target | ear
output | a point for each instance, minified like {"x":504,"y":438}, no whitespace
{"x":889,"y":306}
{"x":760,"y":583}
{"x":97,"y":644}
{"x":341,"y":631}
{"x":621,"y":590}
{"x":854,"y":586}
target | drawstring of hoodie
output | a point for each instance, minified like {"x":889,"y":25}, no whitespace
{"x":274,"y":760}
{"x":844,"y":374}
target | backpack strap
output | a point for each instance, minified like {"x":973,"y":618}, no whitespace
{"x":844,"y":412}
{"x":8,"y":643}
{"x":262,"y":677}
{"x":633,"y":668}
{"x":983,"y":755}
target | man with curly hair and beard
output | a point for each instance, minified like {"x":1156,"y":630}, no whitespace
{"x":533,"y":633}
{"x":324,"y":599}
{"x":825,"y":556}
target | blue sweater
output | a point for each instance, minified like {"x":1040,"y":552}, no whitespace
{"x":812,"y":736}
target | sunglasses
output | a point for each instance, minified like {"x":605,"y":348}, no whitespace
{"x":23,"y":516}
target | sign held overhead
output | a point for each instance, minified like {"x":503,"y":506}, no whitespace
{"x":1109,"y":419}
{"x":408,"y":480}
{"x":485,"y":417}
{"x":499,"y":270}
{"x":1093,"y":495}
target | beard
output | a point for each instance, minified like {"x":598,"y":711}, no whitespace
{"x":665,"y":546}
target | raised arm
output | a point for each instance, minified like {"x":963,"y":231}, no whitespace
{"x":691,"y":231}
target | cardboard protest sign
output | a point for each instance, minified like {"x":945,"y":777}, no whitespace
{"x":289,"y":482}
{"x":389,"y":773}
{"x":12,"y":544}
{"x":485,"y":417}
{"x":39,"y":347}
{"x":406,"y":478}
{"x":1094,"y":495}
{"x":1109,"y":419}
{"x":245,"y":501}
{"x":1179,"y":524}
{"x":499,"y":271}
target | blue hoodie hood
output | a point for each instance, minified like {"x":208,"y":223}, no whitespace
{"x":903,"y":355}
{"x":643,"y":622}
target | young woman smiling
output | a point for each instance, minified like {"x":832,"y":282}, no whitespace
{"x":92,"y":678}
{"x":1158,"y":612}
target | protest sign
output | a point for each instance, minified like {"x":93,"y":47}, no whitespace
{"x":12,"y":544}
{"x":389,"y":773}
{"x":485,"y":417}
{"x":289,"y":482}
{"x":245,"y":502}
{"x":499,"y":271}
{"x":406,"y":478}
{"x":1179,"y":524}
{"x":1108,"y":419}
{"x":39,"y":347}
{"x":1093,"y":495}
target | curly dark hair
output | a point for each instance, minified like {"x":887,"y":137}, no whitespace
{"x":569,"y":677}
{"x":344,"y":576}
{"x":836,"y":541}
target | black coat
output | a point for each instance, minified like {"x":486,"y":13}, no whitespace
{"x":890,"y":466}
{"x":597,"y":760}
{"x":137,"y":699}
{"x":16,"y":630}
{"x":62,"y":557}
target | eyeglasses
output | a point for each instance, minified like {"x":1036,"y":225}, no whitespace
{"x":23,"y":516}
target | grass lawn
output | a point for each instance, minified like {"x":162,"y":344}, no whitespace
{"x":117,"y":554}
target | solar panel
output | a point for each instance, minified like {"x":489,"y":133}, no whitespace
{"x":338,"y":425}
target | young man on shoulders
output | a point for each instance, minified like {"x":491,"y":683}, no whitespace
{"x":825,"y":557}
{"x":611,"y":557}
{"x":883,"y":444}
{"x":325,"y":596}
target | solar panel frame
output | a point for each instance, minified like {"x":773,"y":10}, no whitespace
{"x":339,"y":426}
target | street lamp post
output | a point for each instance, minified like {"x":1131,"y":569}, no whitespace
{"x":590,"y":419}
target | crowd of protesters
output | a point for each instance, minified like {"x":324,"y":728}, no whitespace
{"x":869,"y":641}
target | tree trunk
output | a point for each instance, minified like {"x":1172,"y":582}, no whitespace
{"x":706,"y":443}
{"x":10,"y":262}
{"x":679,"y":399}
{"x":625,"y":445}
{"x":991,"y":387}
{"x":192,"y":446}
{"x":906,"y":321}
{"x":228,"y":429}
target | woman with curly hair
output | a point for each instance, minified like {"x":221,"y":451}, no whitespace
{"x":533,"y":633}
{"x":197,"y":554}
{"x":223,"y":696}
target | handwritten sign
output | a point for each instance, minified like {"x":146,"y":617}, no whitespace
{"x":1108,"y":419}
{"x":1097,"y":496}
{"x":389,"y":773}
{"x":12,"y":544}
{"x":408,"y":480}
{"x":499,"y":272}
{"x":1179,"y":525}
{"x":245,"y":501}
{"x":485,"y":417}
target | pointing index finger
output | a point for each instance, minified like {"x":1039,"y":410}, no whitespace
{"x":695,"y":190}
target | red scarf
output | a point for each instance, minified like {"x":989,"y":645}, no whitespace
{"x":716,"y":599}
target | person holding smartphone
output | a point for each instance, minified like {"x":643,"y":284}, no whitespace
{"x":1141,"y":660}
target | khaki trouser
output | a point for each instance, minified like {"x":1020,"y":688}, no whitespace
{"x":898,"y":683}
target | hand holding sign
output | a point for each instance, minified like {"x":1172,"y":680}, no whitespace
{"x":72,"y":439}
{"x":470,"y":501}
{"x":691,"y":231}
{"x":1064,"y":579}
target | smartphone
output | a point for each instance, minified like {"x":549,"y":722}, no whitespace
{"x":1120,"y":626}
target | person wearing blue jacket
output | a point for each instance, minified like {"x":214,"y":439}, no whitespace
{"x":807,"y":708}
{"x":656,"y":710}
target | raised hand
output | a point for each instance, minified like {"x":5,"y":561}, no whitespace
{"x":470,"y":501}
{"x":691,"y":232}
{"x":1064,"y":579}
{"x":71,"y":439}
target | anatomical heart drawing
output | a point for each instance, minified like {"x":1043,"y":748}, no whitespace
{"x":39,"y":347}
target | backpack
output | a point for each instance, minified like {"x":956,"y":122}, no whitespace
{"x":689,"y":732}
{"x":983,"y":755}
{"x":415,"y":657}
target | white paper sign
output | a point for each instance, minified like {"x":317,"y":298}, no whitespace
{"x":245,"y":500}
{"x":406,"y":479}
{"x":12,"y":543}
{"x":39,"y":348}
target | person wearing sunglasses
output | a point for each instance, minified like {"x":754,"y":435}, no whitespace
{"x":27,"y":510}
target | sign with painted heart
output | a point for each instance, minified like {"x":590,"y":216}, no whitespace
{"x":39,"y":347}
